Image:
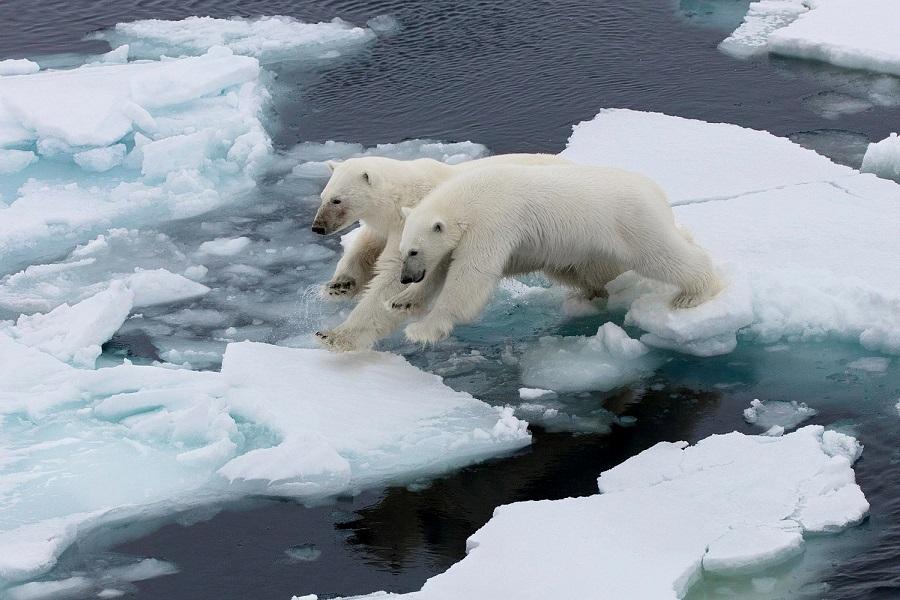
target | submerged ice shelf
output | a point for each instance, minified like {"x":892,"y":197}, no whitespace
{"x":662,"y":521}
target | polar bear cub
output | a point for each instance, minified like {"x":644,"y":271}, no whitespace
{"x":571,"y":222}
{"x":373,"y":190}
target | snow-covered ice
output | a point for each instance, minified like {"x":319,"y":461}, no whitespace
{"x":224,"y":246}
{"x":602,"y":362}
{"x":75,"y":333}
{"x":776,"y":413}
{"x":731,"y":504}
{"x":883,"y":158}
{"x":141,"y":259}
{"x":741,"y":192}
{"x":763,"y":17}
{"x":18,"y":66}
{"x":856,"y":34}
{"x":534,"y":393}
{"x":143,"y":108}
{"x":145,"y":439}
{"x":270,"y":39}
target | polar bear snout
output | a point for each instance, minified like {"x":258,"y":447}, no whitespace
{"x":327,"y":222}
{"x":413,"y":269}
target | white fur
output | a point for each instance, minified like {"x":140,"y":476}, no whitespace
{"x":580,"y":225}
{"x":374,"y":191}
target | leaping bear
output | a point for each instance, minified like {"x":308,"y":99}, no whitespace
{"x":580,"y":225}
{"x":373,"y":190}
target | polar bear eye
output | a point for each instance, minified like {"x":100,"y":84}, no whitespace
{"x":336,"y":201}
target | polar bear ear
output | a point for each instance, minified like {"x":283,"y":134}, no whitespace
{"x":332,"y":164}
{"x":438,"y":227}
{"x":405,"y":210}
{"x":369,"y":178}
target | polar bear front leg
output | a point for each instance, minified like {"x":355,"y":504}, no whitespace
{"x":470,"y":282}
{"x":356,"y":267}
{"x":370,"y":320}
{"x":414,"y":298}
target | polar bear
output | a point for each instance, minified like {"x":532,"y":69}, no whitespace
{"x":373,"y":190}
{"x":579,"y":225}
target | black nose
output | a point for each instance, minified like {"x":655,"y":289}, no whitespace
{"x":318,"y":229}
{"x":413,"y":252}
{"x":406,"y":279}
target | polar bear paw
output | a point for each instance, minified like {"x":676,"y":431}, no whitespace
{"x":339,"y":341}
{"x":687,"y":300}
{"x":341,"y":286}
{"x":409,"y":301}
{"x":429,"y":330}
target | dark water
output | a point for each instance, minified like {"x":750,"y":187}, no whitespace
{"x":516,"y":76}
{"x":512,"y":75}
{"x":396,"y":538}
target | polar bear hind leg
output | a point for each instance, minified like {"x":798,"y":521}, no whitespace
{"x":674,"y":258}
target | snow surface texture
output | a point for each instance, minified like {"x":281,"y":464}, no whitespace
{"x":741,"y":192}
{"x":856,"y":34}
{"x":276,"y":420}
{"x":268,"y":39}
{"x":125,"y":145}
{"x":661,"y":521}
{"x":883,"y":158}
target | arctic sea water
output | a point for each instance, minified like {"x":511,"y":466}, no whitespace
{"x":419,"y":83}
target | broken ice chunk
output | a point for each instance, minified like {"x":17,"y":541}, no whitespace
{"x":224,"y":246}
{"x":270,"y":39}
{"x":74,"y":333}
{"x":883,"y":158}
{"x":774,"y":413}
{"x":665,"y":515}
{"x":329,"y":429}
{"x":100,"y":160}
{"x":13,"y":161}
{"x":605,"y":361}
{"x":18,"y":66}
{"x":534,"y":393}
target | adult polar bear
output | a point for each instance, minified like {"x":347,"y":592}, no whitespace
{"x":571,"y":222}
{"x":374,"y":190}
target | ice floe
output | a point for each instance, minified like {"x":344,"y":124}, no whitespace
{"x":775,"y":413}
{"x":731,"y":504}
{"x":18,"y":66}
{"x":125,"y":145}
{"x":856,"y":34}
{"x":134,"y":257}
{"x":139,"y":440}
{"x":270,"y":38}
{"x":741,"y":193}
{"x":601,"y":362}
{"x":883,"y":158}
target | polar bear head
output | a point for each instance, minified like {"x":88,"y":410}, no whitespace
{"x":428,"y":237}
{"x":353,"y":192}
